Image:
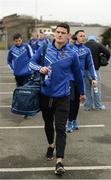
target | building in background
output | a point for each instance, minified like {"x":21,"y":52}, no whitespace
{"x":25,"y":25}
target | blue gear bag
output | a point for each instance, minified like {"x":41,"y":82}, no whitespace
{"x":26,"y":99}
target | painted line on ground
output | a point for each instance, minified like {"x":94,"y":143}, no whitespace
{"x":93,"y":125}
{"x":10,"y":92}
{"x":5,"y":106}
{"x":3,"y":67}
{"x":8,"y":76}
{"x":41,"y":127}
{"x":7,"y":83}
{"x":69,"y":168}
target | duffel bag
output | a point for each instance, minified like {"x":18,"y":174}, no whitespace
{"x":26,"y":100}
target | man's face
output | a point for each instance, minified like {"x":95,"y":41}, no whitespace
{"x":18,"y":41}
{"x":34,"y":36}
{"x":61,"y":35}
{"x":81,"y":37}
{"x":41,"y":35}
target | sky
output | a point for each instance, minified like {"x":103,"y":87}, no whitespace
{"x":85,"y":11}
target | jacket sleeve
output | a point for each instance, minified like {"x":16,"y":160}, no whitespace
{"x":30,"y":51}
{"x":34,"y":64}
{"x":10,"y":61}
{"x":90,"y":65}
{"x":77,"y":73}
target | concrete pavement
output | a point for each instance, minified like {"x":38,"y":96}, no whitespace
{"x":23,"y":143}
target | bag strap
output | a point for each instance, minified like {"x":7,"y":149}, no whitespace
{"x":37,"y":77}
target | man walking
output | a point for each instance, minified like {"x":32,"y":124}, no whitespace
{"x":18,"y":59}
{"x":94,"y":98}
{"x":59,"y":63}
{"x":85,"y":58}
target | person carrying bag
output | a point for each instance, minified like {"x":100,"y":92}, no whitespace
{"x":26,"y":98}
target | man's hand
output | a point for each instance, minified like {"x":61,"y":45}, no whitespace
{"x":44,"y":70}
{"x":82,"y":98}
{"x":94,"y":83}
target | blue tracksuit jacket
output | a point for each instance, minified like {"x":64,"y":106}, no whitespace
{"x":18,"y":59}
{"x":85,"y":58}
{"x":62,"y":62}
{"x":34,"y":44}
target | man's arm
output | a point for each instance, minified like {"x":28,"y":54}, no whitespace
{"x":9,"y":62}
{"x":90,"y":65}
{"x":30,"y":51}
{"x":77,"y":74}
{"x":78,"y":77}
{"x":35,"y":63}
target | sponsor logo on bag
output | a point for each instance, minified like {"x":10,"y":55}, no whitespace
{"x":25,"y":92}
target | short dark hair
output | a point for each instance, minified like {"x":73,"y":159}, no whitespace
{"x":74,"y":36}
{"x":64,"y":25}
{"x":76,"y":33}
{"x":17,"y":36}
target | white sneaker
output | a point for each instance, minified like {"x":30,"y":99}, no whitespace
{"x":103,"y":107}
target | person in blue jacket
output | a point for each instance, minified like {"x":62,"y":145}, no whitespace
{"x":85,"y":58}
{"x":38,"y":40}
{"x":33,"y":42}
{"x":42,"y":40}
{"x":18,"y":59}
{"x":59,"y":63}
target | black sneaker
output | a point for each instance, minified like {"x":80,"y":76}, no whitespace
{"x":59,"y":169}
{"x":49,"y":153}
{"x":25,"y":117}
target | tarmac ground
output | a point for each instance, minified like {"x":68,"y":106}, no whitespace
{"x":23,"y":143}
